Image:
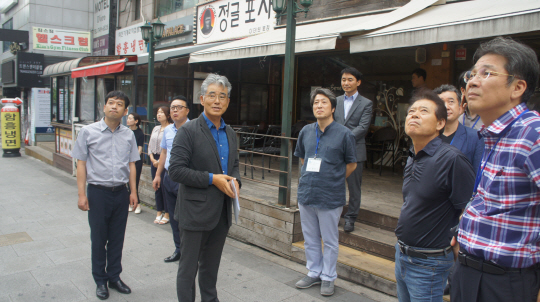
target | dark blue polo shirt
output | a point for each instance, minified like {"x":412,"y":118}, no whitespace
{"x":437,"y":184}
{"x":337,"y":148}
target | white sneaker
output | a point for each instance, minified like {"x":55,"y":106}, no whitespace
{"x":138,"y":209}
{"x":130,"y":208}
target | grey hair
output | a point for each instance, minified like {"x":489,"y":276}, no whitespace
{"x":327,"y":93}
{"x":215,"y":78}
{"x":521,"y":61}
{"x":451,"y":88}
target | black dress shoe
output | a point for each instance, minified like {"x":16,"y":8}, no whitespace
{"x":349,"y":227}
{"x":120,"y":286}
{"x":102,"y":292}
{"x":172,"y":258}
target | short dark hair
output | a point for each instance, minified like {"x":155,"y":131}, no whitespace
{"x":136,"y":117}
{"x":461,"y":81}
{"x":351,"y":70}
{"x":117,"y":94}
{"x":426,"y":94}
{"x":182,"y":98}
{"x":451,"y":88}
{"x":327,"y":93}
{"x":420,"y":73}
{"x":521,"y":61}
{"x":167,"y":111}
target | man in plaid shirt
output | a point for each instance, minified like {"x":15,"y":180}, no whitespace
{"x":499,"y":233}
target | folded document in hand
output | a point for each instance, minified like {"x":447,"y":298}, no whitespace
{"x":236,"y":203}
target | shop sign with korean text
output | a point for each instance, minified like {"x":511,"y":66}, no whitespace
{"x":129,"y":41}
{"x":232,"y":19}
{"x":101,"y":18}
{"x":177,"y":32}
{"x":61,"y":40}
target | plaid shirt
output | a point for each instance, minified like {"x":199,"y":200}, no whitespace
{"x":502,"y":224}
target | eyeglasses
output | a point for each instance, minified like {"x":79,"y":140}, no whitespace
{"x":212,"y":96}
{"x":177,"y":107}
{"x":483,"y":74}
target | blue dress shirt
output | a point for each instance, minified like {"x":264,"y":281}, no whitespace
{"x":166,"y":142}
{"x":347,"y":103}
{"x":222,"y":144}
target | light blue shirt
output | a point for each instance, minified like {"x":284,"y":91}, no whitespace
{"x":107,"y":154}
{"x":222,"y":144}
{"x":166,"y":142}
{"x":347,"y":103}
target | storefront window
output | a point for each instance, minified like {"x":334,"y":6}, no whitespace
{"x":61,"y":103}
{"x":70,"y":88}
{"x":87,"y":99}
{"x":104,"y":86}
{"x":166,"y":7}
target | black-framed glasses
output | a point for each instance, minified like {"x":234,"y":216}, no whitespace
{"x":177,"y":107}
{"x":483,"y":74}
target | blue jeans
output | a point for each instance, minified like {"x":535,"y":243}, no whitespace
{"x":421,"y":279}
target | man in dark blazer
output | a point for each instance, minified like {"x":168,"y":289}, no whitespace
{"x":204,"y":160}
{"x":354,"y":112}
{"x":464,"y":138}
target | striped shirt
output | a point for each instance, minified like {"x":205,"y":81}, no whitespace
{"x":502,"y":224}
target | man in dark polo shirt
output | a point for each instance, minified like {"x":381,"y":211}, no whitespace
{"x":437,"y":184}
{"x":328,"y":154}
{"x":106,"y":152}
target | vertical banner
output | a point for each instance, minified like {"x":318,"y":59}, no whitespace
{"x":11,"y":127}
{"x":101,"y":30}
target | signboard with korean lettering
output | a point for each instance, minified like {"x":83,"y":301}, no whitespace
{"x":29,"y":69}
{"x":129,"y":41}
{"x":177,"y":32}
{"x":61,"y":40}
{"x":100,"y":46}
{"x":461,"y":54}
{"x":232,"y":19}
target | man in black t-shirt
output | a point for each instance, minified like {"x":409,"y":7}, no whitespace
{"x":438,"y":181}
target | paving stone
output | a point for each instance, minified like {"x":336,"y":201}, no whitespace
{"x":80,"y":228}
{"x":7,"y":253}
{"x":18,"y":283}
{"x":305,"y":298}
{"x":231,"y":273}
{"x":75,"y":239}
{"x":264,"y":289}
{"x":34,"y":247}
{"x":69,"y":254}
{"x":14,"y":238}
{"x":348,"y":296}
{"x":56,"y":232}
{"x":25,"y":263}
{"x":57,"y":274}
{"x":59,"y":292}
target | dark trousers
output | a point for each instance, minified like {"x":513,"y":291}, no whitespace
{"x":469,"y":285}
{"x":107,"y":218}
{"x":354,"y":183}
{"x":138,"y":169}
{"x":160,"y":202}
{"x":201,"y":251}
{"x":170,"y":192}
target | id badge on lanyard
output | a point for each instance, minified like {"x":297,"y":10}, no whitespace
{"x":314,"y":163}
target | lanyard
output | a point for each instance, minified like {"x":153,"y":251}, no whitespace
{"x":453,"y":138}
{"x":503,"y":133}
{"x":477,"y":118}
{"x":318,"y":139}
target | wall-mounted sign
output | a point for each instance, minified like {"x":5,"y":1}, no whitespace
{"x":461,"y":54}
{"x":129,"y":41}
{"x":101,"y":18}
{"x":29,"y":69}
{"x":100,"y":46}
{"x":225,"y":20}
{"x":177,"y":32}
{"x":61,"y":40}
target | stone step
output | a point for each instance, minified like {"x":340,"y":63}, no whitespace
{"x":371,"y":239}
{"x":359,"y":267}
{"x":374,"y":218}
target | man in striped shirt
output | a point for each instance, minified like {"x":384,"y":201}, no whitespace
{"x":499,"y":233}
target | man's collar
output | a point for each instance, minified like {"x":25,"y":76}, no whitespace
{"x":503,"y":121}
{"x":103,"y":126}
{"x":429,"y":149}
{"x":326,"y":128}
{"x":354,"y":96}
{"x":210,"y":124}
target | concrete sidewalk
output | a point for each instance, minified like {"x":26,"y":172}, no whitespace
{"x":45,"y":251}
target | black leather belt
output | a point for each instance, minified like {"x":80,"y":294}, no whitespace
{"x":489,"y":267}
{"x":422,"y":254}
{"x":111,"y":189}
